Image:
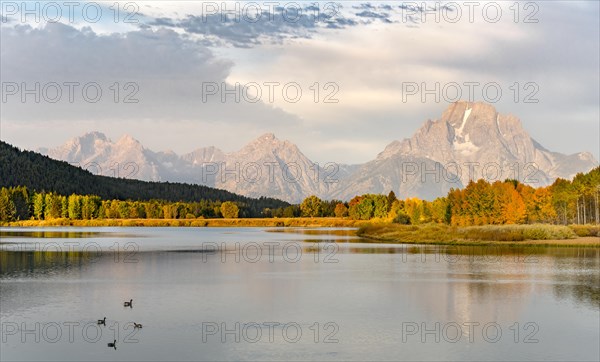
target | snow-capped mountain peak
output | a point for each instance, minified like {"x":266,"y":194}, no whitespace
{"x":468,"y":137}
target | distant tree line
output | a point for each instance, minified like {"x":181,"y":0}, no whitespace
{"x":35,"y":186}
{"x":41,"y":174}
{"x":19,"y":203}
{"x":480,"y":203}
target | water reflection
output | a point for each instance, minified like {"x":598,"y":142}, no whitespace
{"x":577,"y":278}
{"x":38,"y":264}
{"x":315,"y":231}
{"x":60,"y":234}
{"x":573,"y":272}
{"x":368,"y":290}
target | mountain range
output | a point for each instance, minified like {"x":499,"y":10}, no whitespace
{"x":470,"y":140}
{"x":42,"y":174}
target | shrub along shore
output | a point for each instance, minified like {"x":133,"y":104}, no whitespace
{"x":440,"y":234}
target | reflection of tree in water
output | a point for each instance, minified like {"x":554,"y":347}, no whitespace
{"x":38,"y":263}
{"x":45,"y":234}
{"x":578,"y":278}
{"x":375,"y":250}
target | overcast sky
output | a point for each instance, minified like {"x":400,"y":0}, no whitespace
{"x":162,"y":67}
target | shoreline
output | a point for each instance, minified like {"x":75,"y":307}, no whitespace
{"x":371,"y":233}
{"x":586,"y":241}
{"x":488,"y":235}
{"x":238,"y":222}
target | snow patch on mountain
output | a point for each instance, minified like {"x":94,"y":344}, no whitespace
{"x":459,"y":132}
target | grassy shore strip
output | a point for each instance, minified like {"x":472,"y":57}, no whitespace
{"x":521,"y":235}
{"x":241,"y":222}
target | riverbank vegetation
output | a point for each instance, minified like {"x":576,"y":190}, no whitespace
{"x":199,"y":222}
{"x":480,"y":203}
{"x":536,"y":234}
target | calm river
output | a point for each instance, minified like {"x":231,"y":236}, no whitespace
{"x":289,"y":294}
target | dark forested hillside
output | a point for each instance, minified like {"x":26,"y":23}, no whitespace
{"x":40,"y":173}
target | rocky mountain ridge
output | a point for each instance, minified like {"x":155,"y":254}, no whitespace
{"x":470,"y":140}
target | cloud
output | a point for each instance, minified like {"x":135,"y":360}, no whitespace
{"x":374,"y":15}
{"x":371,"y":63}
{"x":243,"y":29}
{"x":164,"y":71}
{"x":368,"y":57}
